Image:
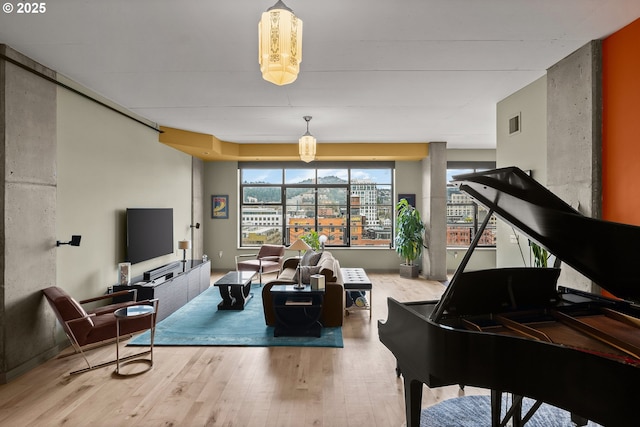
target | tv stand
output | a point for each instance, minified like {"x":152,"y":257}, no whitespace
{"x":172,"y":286}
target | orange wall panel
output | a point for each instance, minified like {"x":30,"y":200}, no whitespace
{"x":621,"y":125}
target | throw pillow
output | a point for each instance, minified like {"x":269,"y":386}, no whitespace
{"x":306,"y":271}
{"x":310,"y":257}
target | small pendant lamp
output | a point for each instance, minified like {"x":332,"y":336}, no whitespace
{"x":307,"y":144}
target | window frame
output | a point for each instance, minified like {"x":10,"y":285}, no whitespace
{"x":286,"y":229}
{"x":468,"y":167}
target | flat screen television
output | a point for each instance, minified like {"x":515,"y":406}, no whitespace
{"x":149,"y":233}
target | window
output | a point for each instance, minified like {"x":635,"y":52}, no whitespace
{"x":464,"y":216}
{"x":350,"y":203}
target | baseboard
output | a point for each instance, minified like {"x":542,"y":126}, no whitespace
{"x":32,"y":363}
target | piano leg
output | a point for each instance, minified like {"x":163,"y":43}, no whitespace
{"x":517,"y":411}
{"x":496,"y":407}
{"x":513,"y":413}
{"x":412,"y":401}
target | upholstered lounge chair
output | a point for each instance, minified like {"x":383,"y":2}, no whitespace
{"x":87,"y":328}
{"x":268,"y":260}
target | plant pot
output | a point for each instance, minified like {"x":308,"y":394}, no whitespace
{"x":409,"y":270}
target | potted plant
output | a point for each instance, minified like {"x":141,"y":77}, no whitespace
{"x":540,"y":255}
{"x":409,"y":239}
{"x":312,"y":239}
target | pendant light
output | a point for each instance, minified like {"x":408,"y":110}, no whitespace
{"x":307,"y":144}
{"x":280,"y":44}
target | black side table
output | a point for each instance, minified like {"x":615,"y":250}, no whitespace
{"x":297,"y":311}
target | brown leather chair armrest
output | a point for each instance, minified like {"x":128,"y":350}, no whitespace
{"x":111,"y":295}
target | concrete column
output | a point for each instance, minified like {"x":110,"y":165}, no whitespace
{"x":434,"y":211}
{"x":197,"y":207}
{"x":28,"y":258}
{"x":574,"y":137}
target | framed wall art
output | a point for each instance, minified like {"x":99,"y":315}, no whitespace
{"x":411,"y":198}
{"x":219,"y":206}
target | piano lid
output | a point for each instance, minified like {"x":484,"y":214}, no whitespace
{"x":606,"y":252}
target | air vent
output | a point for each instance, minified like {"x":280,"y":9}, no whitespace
{"x":514,"y":124}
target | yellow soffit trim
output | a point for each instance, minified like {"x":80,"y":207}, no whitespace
{"x":209,"y":148}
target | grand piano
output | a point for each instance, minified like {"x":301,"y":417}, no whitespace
{"x":516,"y":331}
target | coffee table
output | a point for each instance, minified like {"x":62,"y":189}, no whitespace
{"x":235,"y":289}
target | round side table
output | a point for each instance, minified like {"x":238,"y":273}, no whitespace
{"x":131,"y":312}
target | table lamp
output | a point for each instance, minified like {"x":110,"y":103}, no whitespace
{"x":299,"y":245}
{"x":184,"y":245}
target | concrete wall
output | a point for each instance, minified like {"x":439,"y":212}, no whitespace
{"x":197,"y":208}
{"x":574,"y":137}
{"x":560,"y":142}
{"x":434,"y":211}
{"x":72,"y":166}
{"x":28,"y":149}
{"x":527,"y":150}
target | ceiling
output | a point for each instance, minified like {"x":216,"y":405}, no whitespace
{"x":372,"y":71}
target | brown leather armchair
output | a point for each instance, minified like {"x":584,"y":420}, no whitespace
{"x":268,"y":260}
{"x":87,"y":328}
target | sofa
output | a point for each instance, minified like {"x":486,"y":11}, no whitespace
{"x":327,"y":265}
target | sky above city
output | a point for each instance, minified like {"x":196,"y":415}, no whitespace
{"x":274,"y":176}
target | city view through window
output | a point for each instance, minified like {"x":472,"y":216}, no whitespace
{"x":464,"y":216}
{"x":351,"y":206}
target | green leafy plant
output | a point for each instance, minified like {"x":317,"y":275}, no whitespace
{"x":540,"y":255}
{"x":409,"y":232}
{"x":312,"y":239}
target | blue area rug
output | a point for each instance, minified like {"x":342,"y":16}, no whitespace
{"x":475,"y":411}
{"x":200,"y":323}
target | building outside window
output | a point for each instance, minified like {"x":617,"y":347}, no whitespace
{"x":464,"y":216}
{"x":350,"y":203}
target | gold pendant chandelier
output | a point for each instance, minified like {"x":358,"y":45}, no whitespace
{"x":280,"y":44}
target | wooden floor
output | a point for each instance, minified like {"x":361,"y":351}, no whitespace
{"x":234,"y":386}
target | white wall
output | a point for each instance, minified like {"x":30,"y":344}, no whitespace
{"x":459,"y":155}
{"x":107,"y":163}
{"x":221,"y":235}
{"x":526,"y":150}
